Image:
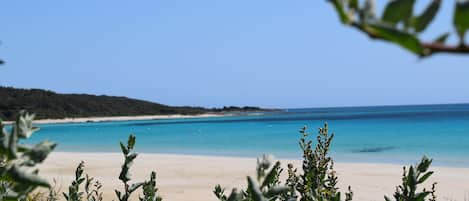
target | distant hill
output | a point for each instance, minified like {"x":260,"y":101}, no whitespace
{"x":50,"y":105}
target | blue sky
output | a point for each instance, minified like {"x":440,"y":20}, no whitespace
{"x":270,"y":53}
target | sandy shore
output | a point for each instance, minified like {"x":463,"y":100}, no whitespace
{"x":120,"y":118}
{"x":184,"y":178}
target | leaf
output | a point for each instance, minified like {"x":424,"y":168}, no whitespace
{"x":405,"y":40}
{"x":118,"y":194}
{"x":131,"y":142}
{"x":235,"y":195}
{"x":442,"y":38}
{"x":40,"y":152}
{"x":461,"y":18}
{"x":422,"y":21}
{"x":270,"y":177}
{"x":339,"y":8}
{"x":354,"y":4}
{"x":254,"y":189}
{"x":424,"y":164}
{"x":411,"y":180}
{"x":397,"y":11}
{"x":425,"y":177}
{"x":20,"y":175}
{"x":277,"y":190}
{"x":124,"y":149}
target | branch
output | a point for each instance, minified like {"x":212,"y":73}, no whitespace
{"x":436,"y":47}
{"x":430,"y":48}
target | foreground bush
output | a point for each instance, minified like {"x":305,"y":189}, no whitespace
{"x":316,"y":180}
{"x":18,"y":176}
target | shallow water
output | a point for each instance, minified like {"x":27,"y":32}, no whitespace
{"x":391,"y":134}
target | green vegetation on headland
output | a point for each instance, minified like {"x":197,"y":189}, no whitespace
{"x":51,"y":105}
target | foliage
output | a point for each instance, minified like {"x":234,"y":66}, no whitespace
{"x":124,"y":176}
{"x":400,"y":25}
{"x":316,"y":183}
{"x":318,"y":180}
{"x":74,"y":193}
{"x":51,"y":105}
{"x":18,"y":175}
{"x":91,"y":187}
{"x":266,"y":187}
{"x":149,"y":189}
{"x":411,"y":180}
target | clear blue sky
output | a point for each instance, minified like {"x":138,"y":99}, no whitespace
{"x":271,"y":53}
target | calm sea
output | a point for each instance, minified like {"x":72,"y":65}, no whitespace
{"x":389,"y":134}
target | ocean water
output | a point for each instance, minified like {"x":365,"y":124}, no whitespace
{"x":385,"y":134}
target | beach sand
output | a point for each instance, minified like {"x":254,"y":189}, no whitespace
{"x":192,"y":178}
{"x":121,"y":118}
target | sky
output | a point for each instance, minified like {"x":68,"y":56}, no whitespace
{"x":211,"y":53}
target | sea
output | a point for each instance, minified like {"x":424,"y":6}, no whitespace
{"x":377,"y":134}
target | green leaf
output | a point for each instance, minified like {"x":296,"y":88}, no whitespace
{"x":269,"y":180}
{"x":405,"y":40}
{"x":235,"y":195}
{"x":461,"y":18}
{"x":40,"y":152}
{"x":22,"y":176}
{"x":277,"y":190}
{"x":339,"y":8}
{"x":397,"y":11}
{"x":131,"y":142}
{"x":124,"y":149}
{"x":442,"y":38}
{"x":354,"y":4}
{"x":422,"y":21}
{"x":425,"y":177}
{"x":254,"y":189}
{"x":424,"y":164}
{"x":411,"y":180}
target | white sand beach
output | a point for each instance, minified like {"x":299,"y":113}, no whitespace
{"x":121,"y":118}
{"x":192,"y":178}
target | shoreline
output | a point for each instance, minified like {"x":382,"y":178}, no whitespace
{"x":191,"y":177}
{"x":122,"y":118}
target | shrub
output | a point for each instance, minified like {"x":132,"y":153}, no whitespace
{"x":18,"y":175}
{"x":265,"y":187}
{"x":316,"y":182}
{"x":407,"y":191}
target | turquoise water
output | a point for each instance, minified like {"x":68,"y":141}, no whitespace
{"x":391,"y":134}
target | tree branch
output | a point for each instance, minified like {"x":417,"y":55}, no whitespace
{"x":430,"y":48}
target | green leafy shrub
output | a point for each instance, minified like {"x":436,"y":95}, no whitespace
{"x":149,"y":189}
{"x":18,"y":175}
{"x":317,"y":182}
{"x":125,"y":175}
{"x":411,"y":178}
{"x":91,"y":187}
{"x":265,"y":187}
